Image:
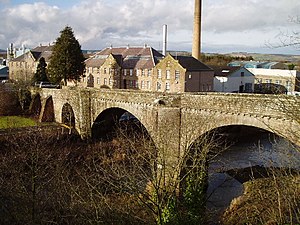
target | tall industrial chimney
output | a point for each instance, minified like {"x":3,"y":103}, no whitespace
{"x":165,"y":33}
{"x":196,"y":51}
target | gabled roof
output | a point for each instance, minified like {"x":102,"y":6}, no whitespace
{"x":192,"y":64}
{"x":37,"y":53}
{"x":127,"y":57}
{"x":225,"y":71}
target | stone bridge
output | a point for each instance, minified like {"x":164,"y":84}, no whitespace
{"x":174,"y":121}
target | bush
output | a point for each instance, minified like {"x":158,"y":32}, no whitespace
{"x":9,"y":102}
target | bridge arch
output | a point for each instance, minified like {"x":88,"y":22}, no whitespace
{"x":48,"y":112}
{"x":68,"y":116}
{"x":110,"y":118}
{"x":206,"y":123}
{"x":36,"y":106}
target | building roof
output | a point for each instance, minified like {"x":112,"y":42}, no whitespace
{"x":256,"y":64}
{"x":273,"y":72}
{"x":224,"y":71}
{"x":37,"y":53}
{"x":128,"y":57}
{"x":3,"y":70}
{"x":192,"y":64}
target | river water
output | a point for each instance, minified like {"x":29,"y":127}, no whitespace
{"x":257,"y":149}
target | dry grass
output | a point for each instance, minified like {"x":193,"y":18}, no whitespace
{"x":273,"y":200}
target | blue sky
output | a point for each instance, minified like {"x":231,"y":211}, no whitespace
{"x":228,"y":25}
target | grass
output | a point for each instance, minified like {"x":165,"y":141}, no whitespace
{"x":16,"y":122}
{"x":267,"y":201}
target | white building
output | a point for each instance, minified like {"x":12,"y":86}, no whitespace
{"x":233,"y":79}
{"x":287,"y":79}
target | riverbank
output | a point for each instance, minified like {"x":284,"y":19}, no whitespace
{"x":273,"y":200}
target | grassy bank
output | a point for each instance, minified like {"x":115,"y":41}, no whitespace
{"x":7,"y":122}
{"x":273,"y":200}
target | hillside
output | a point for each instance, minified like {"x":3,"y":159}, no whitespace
{"x":267,"y":57}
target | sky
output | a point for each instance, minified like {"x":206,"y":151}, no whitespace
{"x":258,"y":26}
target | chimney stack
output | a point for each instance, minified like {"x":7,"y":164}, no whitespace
{"x":165,"y":32}
{"x":196,"y":51}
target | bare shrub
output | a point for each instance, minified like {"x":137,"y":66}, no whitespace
{"x":9,"y":103}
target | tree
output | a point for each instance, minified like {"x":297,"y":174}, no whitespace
{"x":41,"y":71}
{"x":67,"y":60}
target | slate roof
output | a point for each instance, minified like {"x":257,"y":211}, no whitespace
{"x":224,"y":71}
{"x":37,"y":53}
{"x":192,"y":64}
{"x":127,"y":57}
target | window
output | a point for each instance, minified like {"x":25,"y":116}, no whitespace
{"x":167,"y":86}
{"x":149,"y":72}
{"x":131,"y":72}
{"x":159,"y":73}
{"x":105,"y":81}
{"x":138,"y":72}
{"x":177,"y":74}
{"x":105,"y":71}
{"x":278,"y":82}
{"x":142,"y":84}
{"x":168,"y":74}
{"x":158,"y":86}
{"x":148,"y":85}
{"x":98,"y":80}
{"x":131,"y":83}
{"x":242,"y":74}
{"x":135,"y":84}
{"x":190,"y":76}
{"x":248,"y":87}
{"x":268,"y":82}
{"x":124,"y":72}
{"x":143,"y":72}
{"x":98,"y":70}
{"x":111,"y":82}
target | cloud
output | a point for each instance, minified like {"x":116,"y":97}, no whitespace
{"x":237,"y":15}
{"x":100,"y":23}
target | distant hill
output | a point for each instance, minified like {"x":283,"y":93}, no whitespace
{"x":268,"y":57}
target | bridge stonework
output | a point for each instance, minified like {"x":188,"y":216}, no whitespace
{"x":175,"y":121}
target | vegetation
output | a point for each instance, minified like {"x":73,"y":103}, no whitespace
{"x":15,"y":122}
{"x":273,"y":200}
{"x":9,"y":102}
{"x":41,"y":71}
{"x":62,"y":180}
{"x":67,"y":60}
{"x":222,"y":60}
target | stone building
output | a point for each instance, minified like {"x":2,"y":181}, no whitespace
{"x":23,"y":67}
{"x":144,"y":68}
{"x":182,"y":74}
{"x":122,"y":67}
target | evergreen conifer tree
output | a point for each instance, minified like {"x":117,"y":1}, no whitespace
{"x":67,"y":60}
{"x":41,"y":71}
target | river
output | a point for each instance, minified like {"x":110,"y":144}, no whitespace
{"x":254,"y":149}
